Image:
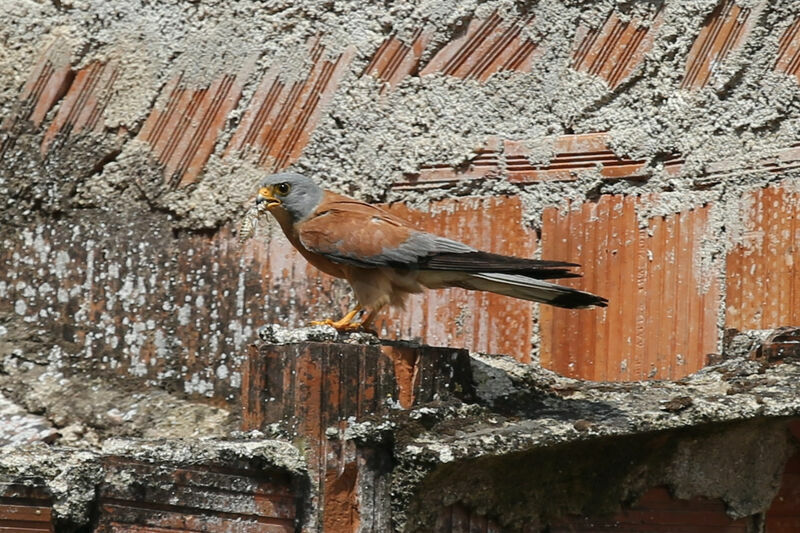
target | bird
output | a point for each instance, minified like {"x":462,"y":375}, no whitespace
{"x":384,"y":258}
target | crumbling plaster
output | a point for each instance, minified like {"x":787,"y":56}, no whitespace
{"x":720,"y":433}
{"x":102,"y":198}
{"x":109,"y":186}
{"x":72,"y":476}
{"x":366,"y":141}
{"x":532,"y":446}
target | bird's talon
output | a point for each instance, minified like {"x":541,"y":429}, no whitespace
{"x":349,"y":328}
{"x":344,"y":327}
{"x":343,"y":324}
{"x":337,"y":325}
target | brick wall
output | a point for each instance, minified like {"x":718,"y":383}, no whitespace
{"x":656,"y":144}
{"x":671,"y":296}
{"x":25,"y":507}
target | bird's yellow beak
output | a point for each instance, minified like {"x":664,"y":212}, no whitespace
{"x":267,"y":194}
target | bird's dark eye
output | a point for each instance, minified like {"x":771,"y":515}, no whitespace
{"x":283,"y":188}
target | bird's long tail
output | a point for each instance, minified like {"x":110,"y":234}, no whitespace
{"x":535,"y":290}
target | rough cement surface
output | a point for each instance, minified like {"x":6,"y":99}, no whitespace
{"x":277,"y":334}
{"x":535,"y":424}
{"x":365,"y":141}
{"x":77,"y":405}
{"x":258,"y":453}
{"x":18,"y":426}
{"x":87,"y":410}
{"x":744,"y":469}
{"x":537,"y":487}
{"x":72,"y":475}
{"x":532,"y":447}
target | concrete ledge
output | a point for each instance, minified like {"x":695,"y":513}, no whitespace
{"x":207,"y":485}
{"x":347,"y":433}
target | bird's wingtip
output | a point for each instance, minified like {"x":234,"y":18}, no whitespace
{"x":579,"y":300}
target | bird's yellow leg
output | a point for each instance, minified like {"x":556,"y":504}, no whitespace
{"x":343,"y":324}
{"x":366,"y":323}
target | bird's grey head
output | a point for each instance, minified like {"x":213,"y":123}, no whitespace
{"x":293,"y":193}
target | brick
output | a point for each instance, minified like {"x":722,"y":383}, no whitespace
{"x":25,"y":507}
{"x":456,"y":317}
{"x":782,"y":344}
{"x":485,"y":164}
{"x":574,"y":153}
{"x":280,"y":118}
{"x":425,"y":374}
{"x":207,"y":295}
{"x":47,"y":83}
{"x":459,"y":519}
{"x":510,"y":160}
{"x":275,"y":283}
{"x":488,"y":46}
{"x":613,"y":50}
{"x":783,"y":516}
{"x":201,"y":498}
{"x":183,"y":133}
{"x":788,"y":58}
{"x":172,"y":310}
{"x":341,"y":501}
{"x":394,"y":60}
{"x":762,"y":280}
{"x":785,"y":159}
{"x":309,"y":387}
{"x":657,"y":511}
{"x":84,"y":103}
{"x":724,"y":31}
{"x":661,"y":319}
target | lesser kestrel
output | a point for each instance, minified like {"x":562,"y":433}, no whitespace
{"x":384,"y":258}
